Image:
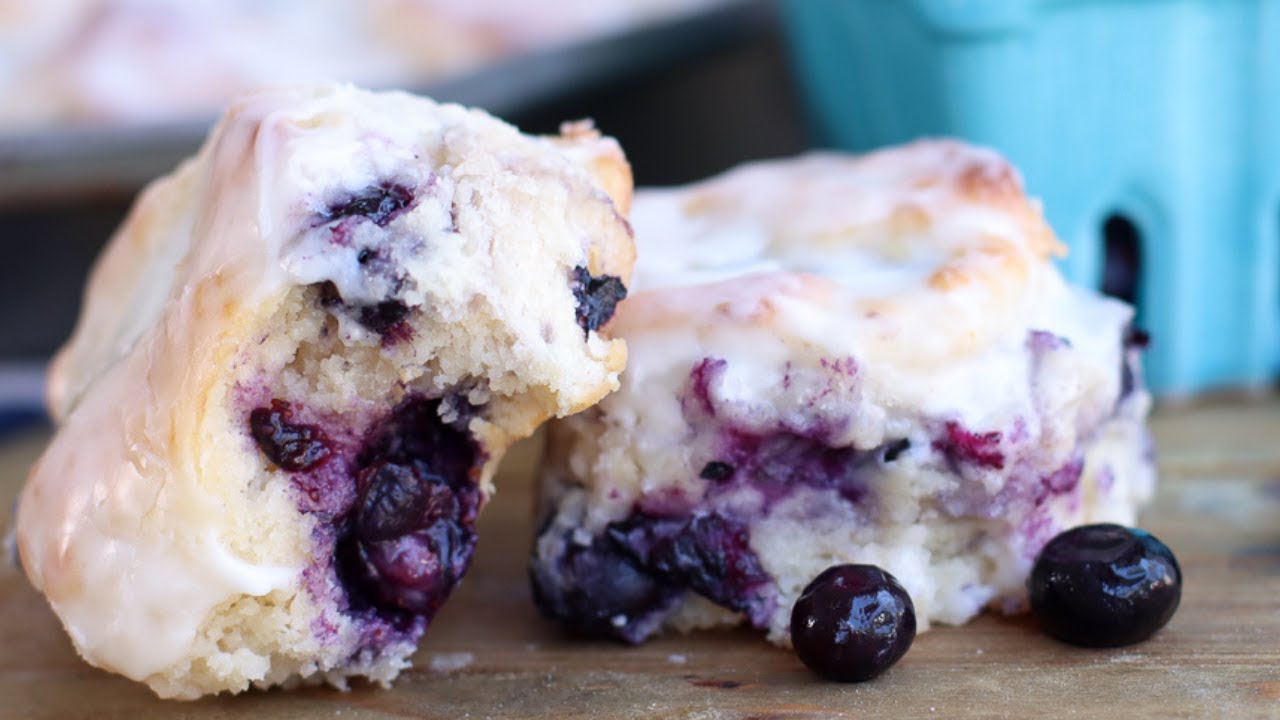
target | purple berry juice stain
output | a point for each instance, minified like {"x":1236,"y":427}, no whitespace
{"x":959,"y":446}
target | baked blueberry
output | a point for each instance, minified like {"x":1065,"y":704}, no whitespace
{"x":380,"y":204}
{"x":716,"y":471}
{"x":598,"y":590}
{"x":852,"y":623}
{"x":415,"y":571}
{"x":708,"y":554}
{"x":412,"y":533}
{"x":1104,"y":586}
{"x":384,"y":316}
{"x":1133,"y":342}
{"x":393,"y":502}
{"x":292,"y":446}
{"x":597,"y":296}
{"x":894,"y":450}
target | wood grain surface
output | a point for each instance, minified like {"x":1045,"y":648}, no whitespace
{"x":488,"y":654}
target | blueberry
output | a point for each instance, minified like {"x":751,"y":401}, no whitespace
{"x":596,"y":296}
{"x":413,"y":572}
{"x":412,"y":531}
{"x":400,"y":561}
{"x":393,"y":502}
{"x":380,"y":204}
{"x":291,"y":446}
{"x":852,"y":623}
{"x":413,"y":432}
{"x":1104,"y":586}
{"x":711,"y":556}
{"x":894,"y":450}
{"x":598,"y":590}
{"x":701,"y":377}
{"x":384,"y":316}
{"x":1136,"y":338}
{"x":777,"y":463}
{"x":708,"y":554}
{"x":716,"y":471}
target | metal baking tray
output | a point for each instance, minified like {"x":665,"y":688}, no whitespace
{"x":67,"y":162}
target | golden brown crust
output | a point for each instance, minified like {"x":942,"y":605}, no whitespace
{"x":957,"y":244}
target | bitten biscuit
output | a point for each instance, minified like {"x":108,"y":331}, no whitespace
{"x":298,"y":365}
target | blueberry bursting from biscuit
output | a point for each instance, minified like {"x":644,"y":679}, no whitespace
{"x":407,"y":533}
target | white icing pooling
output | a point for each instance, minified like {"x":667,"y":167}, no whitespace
{"x":131,"y":588}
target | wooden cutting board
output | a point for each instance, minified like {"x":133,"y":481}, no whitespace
{"x":489,"y":655}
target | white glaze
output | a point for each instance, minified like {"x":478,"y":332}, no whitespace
{"x":808,"y":255}
{"x":128,"y":522}
{"x":834,"y":303}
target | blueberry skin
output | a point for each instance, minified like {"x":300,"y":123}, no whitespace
{"x":597,"y":296}
{"x":599,"y":591}
{"x":1104,"y":586}
{"x":380,"y":204}
{"x":852,"y":623}
{"x":292,"y":446}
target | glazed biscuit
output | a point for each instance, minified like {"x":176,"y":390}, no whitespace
{"x":298,"y":365}
{"x":833,"y":360}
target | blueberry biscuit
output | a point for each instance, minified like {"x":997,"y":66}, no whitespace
{"x":840,"y":360}
{"x":298,"y":365}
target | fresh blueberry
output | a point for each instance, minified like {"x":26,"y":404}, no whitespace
{"x":852,"y":623}
{"x":291,"y":446}
{"x":380,"y":204}
{"x":596,"y":296}
{"x":1104,"y":586}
